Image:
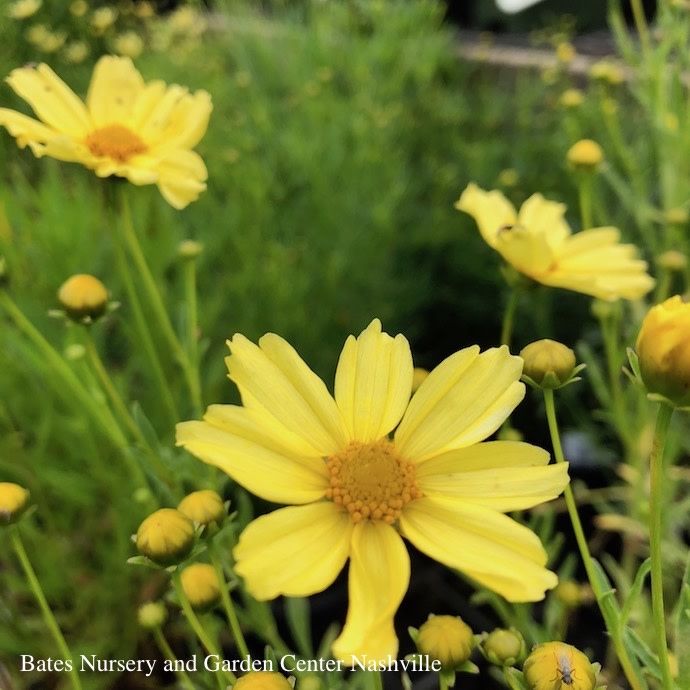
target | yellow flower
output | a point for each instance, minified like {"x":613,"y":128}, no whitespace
{"x":130,"y":44}
{"x":556,"y":666}
{"x":52,"y":41}
{"x":672,"y":260}
{"x":144,"y":132}
{"x":83,"y":296}
{"x":200,"y":585}
{"x":152,"y":615}
{"x":418,"y":377}
{"x":585,"y":154}
{"x":37,"y":34}
{"x":355,"y":491}
{"x":76,"y":52}
{"x":203,"y":507}
{"x":565,"y":52}
{"x":14,"y":500}
{"x":538,"y":242}
{"x":144,"y":10}
{"x":446,"y":638}
{"x":79,"y":8}
{"x":572,"y":98}
{"x":22,"y":9}
{"x":262,"y":680}
{"x":165,"y":536}
{"x":103,"y":18}
{"x":663,"y":350}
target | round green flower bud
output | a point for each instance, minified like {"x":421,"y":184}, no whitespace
{"x":672,"y":260}
{"x":447,"y":639}
{"x":262,"y":680}
{"x":165,"y":537}
{"x":203,"y":507}
{"x":585,"y":154}
{"x":200,"y":585}
{"x":548,"y":363}
{"x":83,"y":296}
{"x":189,"y":249}
{"x":556,"y":665}
{"x":152,"y":615}
{"x":663,"y":352}
{"x":14,"y":500}
{"x":504,"y":647}
{"x":569,"y":593}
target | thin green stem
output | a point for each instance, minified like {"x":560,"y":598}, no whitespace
{"x":228,"y":604}
{"x":168,"y":653}
{"x":442,"y":682}
{"x":656,"y":478}
{"x":621,"y":651}
{"x":584,"y":188}
{"x":48,"y":616}
{"x":640,"y":23}
{"x":100,"y":415}
{"x":377,"y":680}
{"x":156,"y":302}
{"x":145,"y":335}
{"x":509,"y":317}
{"x":190,"y":294}
{"x":194,"y":622}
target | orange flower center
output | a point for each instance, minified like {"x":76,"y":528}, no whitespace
{"x":116,"y":142}
{"x":371,"y":481}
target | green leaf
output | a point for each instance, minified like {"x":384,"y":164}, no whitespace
{"x":516,"y":680}
{"x":682,"y":631}
{"x":642,"y":651}
{"x":635,"y":590}
{"x":606,"y":597}
{"x":297,"y":613}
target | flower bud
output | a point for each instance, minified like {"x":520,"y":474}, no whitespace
{"x":565,"y":52}
{"x":83,"y":297}
{"x":447,"y":639}
{"x":558,"y":665}
{"x":585,"y":155}
{"x":14,"y":500}
{"x":262,"y":680}
{"x":572,"y":98}
{"x":189,"y":249}
{"x":200,"y":585}
{"x":205,"y":507}
{"x":569,"y":593}
{"x":504,"y":647}
{"x":663,"y":351}
{"x":676,"y":216}
{"x":152,"y":615}
{"x":548,"y":364}
{"x":165,"y":536}
{"x":672,"y":260}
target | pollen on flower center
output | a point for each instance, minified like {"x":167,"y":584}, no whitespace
{"x":116,"y":142}
{"x":371,"y":481}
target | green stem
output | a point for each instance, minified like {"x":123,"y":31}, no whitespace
{"x":442,"y":682}
{"x":145,"y":335}
{"x":194,"y":622}
{"x":587,"y":560}
{"x":170,"y":655}
{"x":48,"y":616}
{"x":156,"y":303}
{"x":227,"y":603}
{"x":377,"y":680}
{"x":190,"y":292}
{"x":509,"y":317}
{"x":640,"y":23}
{"x":584,"y":188}
{"x":99,"y":415}
{"x":656,"y":469}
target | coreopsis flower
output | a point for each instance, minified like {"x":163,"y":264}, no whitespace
{"x":447,"y":639}
{"x":103,"y":18}
{"x":204,"y":507}
{"x":83,"y":296}
{"x":548,"y":364}
{"x":555,"y":665}
{"x":538,"y":242}
{"x":585,"y":155}
{"x":130,"y":44}
{"x":369,"y":466}
{"x":200,"y":585}
{"x":23,"y":9}
{"x":14,"y":500}
{"x":262,"y":680}
{"x":663,"y":353}
{"x":503,"y":647}
{"x":144,"y":132}
{"x":152,"y":615}
{"x":76,"y":52}
{"x":165,"y":536}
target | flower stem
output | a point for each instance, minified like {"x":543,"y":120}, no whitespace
{"x":170,"y":655}
{"x":640,"y":23}
{"x":377,"y":680}
{"x":656,"y":470}
{"x":227,"y":603}
{"x":192,"y":313}
{"x":584,"y":188}
{"x":587,"y":560}
{"x":442,"y":682}
{"x":156,"y":303}
{"x":509,"y":317}
{"x":48,"y":616}
{"x":194,"y":622}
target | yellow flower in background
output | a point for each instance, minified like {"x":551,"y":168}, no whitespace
{"x":130,"y":44}
{"x":76,"y":52}
{"x":102,"y":19}
{"x":37,"y":34}
{"x":23,"y":9}
{"x":538,"y":242}
{"x":52,"y":41}
{"x":79,"y":8}
{"x":128,"y":128}
{"x":355,"y":490}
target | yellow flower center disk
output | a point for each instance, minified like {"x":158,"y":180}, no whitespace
{"x":116,"y":142}
{"x":371,"y":481}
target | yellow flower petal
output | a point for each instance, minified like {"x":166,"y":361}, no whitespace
{"x":490,"y":210}
{"x":378,"y":579}
{"x":25,"y":129}
{"x":293,"y":551}
{"x":259,"y":469}
{"x":181,"y":177}
{"x":279,"y":382}
{"x":373,"y":382}
{"x":159,"y":115}
{"x":462,"y":401}
{"x":51,"y":99}
{"x":187,"y":122}
{"x":529,"y":252}
{"x":501,"y":475}
{"x":483,"y":544}
{"x":544,"y":217}
{"x":115,"y":86}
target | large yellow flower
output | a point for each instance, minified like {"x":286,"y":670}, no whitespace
{"x":538,"y":242}
{"x":144,"y":132}
{"x":356,"y":490}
